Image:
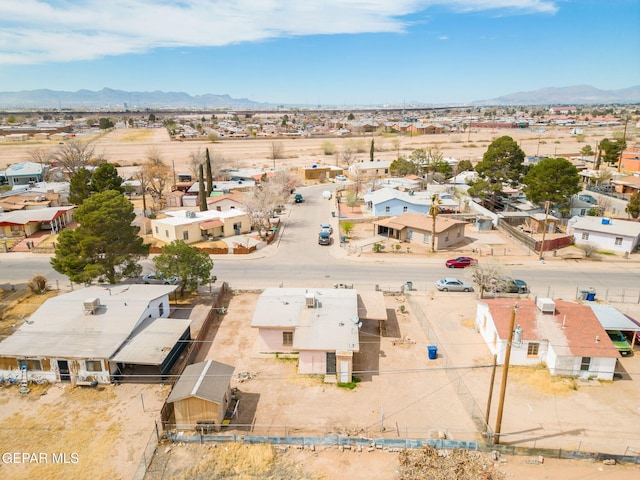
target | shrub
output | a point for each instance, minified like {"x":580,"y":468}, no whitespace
{"x":38,"y":284}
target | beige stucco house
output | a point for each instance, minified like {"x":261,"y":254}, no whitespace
{"x":191,"y":226}
{"x":418,"y":228}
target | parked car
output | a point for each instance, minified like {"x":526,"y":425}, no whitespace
{"x":325,"y":227}
{"x":324,"y":238}
{"x":453,"y":285}
{"x":341,"y":178}
{"x":620,"y":342}
{"x":156,"y":278}
{"x":461,"y":262}
{"x":510,"y":285}
{"x":298,"y":198}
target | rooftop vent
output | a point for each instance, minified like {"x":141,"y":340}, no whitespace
{"x":91,"y":306}
{"x":310,"y":300}
{"x":190,"y":214}
{"x":546,"y":305}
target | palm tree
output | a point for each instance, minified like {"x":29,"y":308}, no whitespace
{"x":434,"y":210}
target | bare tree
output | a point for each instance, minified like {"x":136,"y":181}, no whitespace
{"x":276,"y":151}
{"x":43,"y":158}
{"x":272,"y":192}
{"x":196,"y":158}
{"x":489,"y":276}
{"x":157,"y":174}
{"x":347,"y":155}
{"x":73,"y":155}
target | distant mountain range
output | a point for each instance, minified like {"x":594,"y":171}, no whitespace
{"x":109,"y":99}
{"x":576,"y":95}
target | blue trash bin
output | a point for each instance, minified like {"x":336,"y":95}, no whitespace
{"x":433,"y":352}
{"x":409,"y":286}
{"x":591,"y":296}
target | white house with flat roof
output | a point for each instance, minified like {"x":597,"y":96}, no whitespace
{"x":320,"y":325}
{"x":191,"y":226}
{"x":97,"y":333}
{"x":622,"y":236}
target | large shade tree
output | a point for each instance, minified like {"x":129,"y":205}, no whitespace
{"x":105,"y":245}
{"x":106,"y":177}
{"x":633,"y":206}
{"x":552,"y":179}
{"x":189,"y":264}
{"x":502,"y":163}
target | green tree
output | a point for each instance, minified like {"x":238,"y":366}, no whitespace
{"x":352,"y":199}
{"x":152,"y":117}
{"x":189,"y":264}
{"x":105,"y":123}
{"x":347,"y":227}
{"x":209,"y":174}
{"x":612,"y":149}
{"x":401,"y":167}
{"x":552,"y":179}
{"x":501,"y":164}
{"x":633,"y":206}
{"x":80,"y":186}
{"x":586,"y":151}
{"x":351,"y":117}
{"x":372,"y":150}
{"x":442,"y":167}
{"x":106,"y":177}
{"x":202,"y":194}
{"x":105,"y":245}
{"x":464,"y":166}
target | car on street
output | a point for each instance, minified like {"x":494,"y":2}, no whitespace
{"x":325,"y":227}
{"x":620,"y":342}
{"x":461,"y":262}
{"x":453,"y":285}
{"x":324,"y":238}
{"x":511,"y":285}
{"x":157,"y":279}
{"x":341,"y":178}
{"x":298,"y":198}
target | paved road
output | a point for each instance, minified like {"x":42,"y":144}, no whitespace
{"x":296,"y":259}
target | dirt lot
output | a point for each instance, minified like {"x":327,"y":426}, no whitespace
{"x":403,"y":393}
{"x":130,"y":147}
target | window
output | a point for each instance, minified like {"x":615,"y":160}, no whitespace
{"x":387,"y":209}
{"x":585,"y":236}
{"x":618,"y":240}
{"x":287,"y":338}
{"x":446,"y":237}
{"x":427,"y":238}
{"x":459,"y":233}
{"x":219,"y":209}
{"x":30,"y":363}
{"x":532,"y":349}
{"x":161,"y":308}
{"x":185,"y":235}
{"x":166,"y":233}
{"x":405,"y":209}
{"x":93,"y":365}
{"x":156,"y":228}
{"x":585,"y":364}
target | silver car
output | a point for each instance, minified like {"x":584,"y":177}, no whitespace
{"x":453,"y":285}
{"x":156,"y":278}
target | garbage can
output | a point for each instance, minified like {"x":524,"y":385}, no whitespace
{"x":409,"y":286}
{"x":433,"y":352}
{"x":333,"y":214}
{"x":591,"y":295}
{"x":583,"y":295}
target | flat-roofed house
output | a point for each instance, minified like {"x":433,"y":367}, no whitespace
{"x":98,"y":334}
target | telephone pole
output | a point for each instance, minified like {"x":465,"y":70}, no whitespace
{"x":547,"y":205}
{"x":505,"y":372}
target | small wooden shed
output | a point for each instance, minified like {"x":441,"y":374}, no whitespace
{"x":201,"y":395}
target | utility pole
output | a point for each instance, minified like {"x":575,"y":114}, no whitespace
{"x":505,"y":372}
{"x":493,"y":378}
{"x":547,"y":205}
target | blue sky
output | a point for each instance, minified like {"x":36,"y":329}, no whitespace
{"x":321,"y":52}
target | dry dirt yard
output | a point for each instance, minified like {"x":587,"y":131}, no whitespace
{"x":403,"y":393}
{"x":129,"y":147}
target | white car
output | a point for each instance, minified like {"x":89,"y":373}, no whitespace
{"x":341,"y":178}
{"x":453,"y":285}
{"x":325,"y":227}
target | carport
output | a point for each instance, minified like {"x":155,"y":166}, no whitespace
{"x":612,"y":319}
{"x":371,"y":307}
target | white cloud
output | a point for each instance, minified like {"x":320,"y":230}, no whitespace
{"x":36,"y":31}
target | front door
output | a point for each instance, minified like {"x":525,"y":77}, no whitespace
{"x":331,"y":363}
{"x":344,"y":371}
{"x":63,"y":368}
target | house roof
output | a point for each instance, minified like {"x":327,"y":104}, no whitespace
{"x":24,"y":169}
{"x":179,"y":217}
{"x":234,"y":195}
{"x":152,"y":341}
{"x":330,"y":325}
{"x":386,"y":194}
{"x":22,"y":217}
{"x":206,"y":380}
{"x":371,"y":306}
{"x":60,"y":327}
{"x":615,"y":226}
{"x":573,"y":330}
{"x":216,"y":222}
{"x":419,"y":221}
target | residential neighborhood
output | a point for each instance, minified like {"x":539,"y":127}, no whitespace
{"x":255,"y":328}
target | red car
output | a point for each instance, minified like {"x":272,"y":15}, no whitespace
{"x":461,"y":262}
